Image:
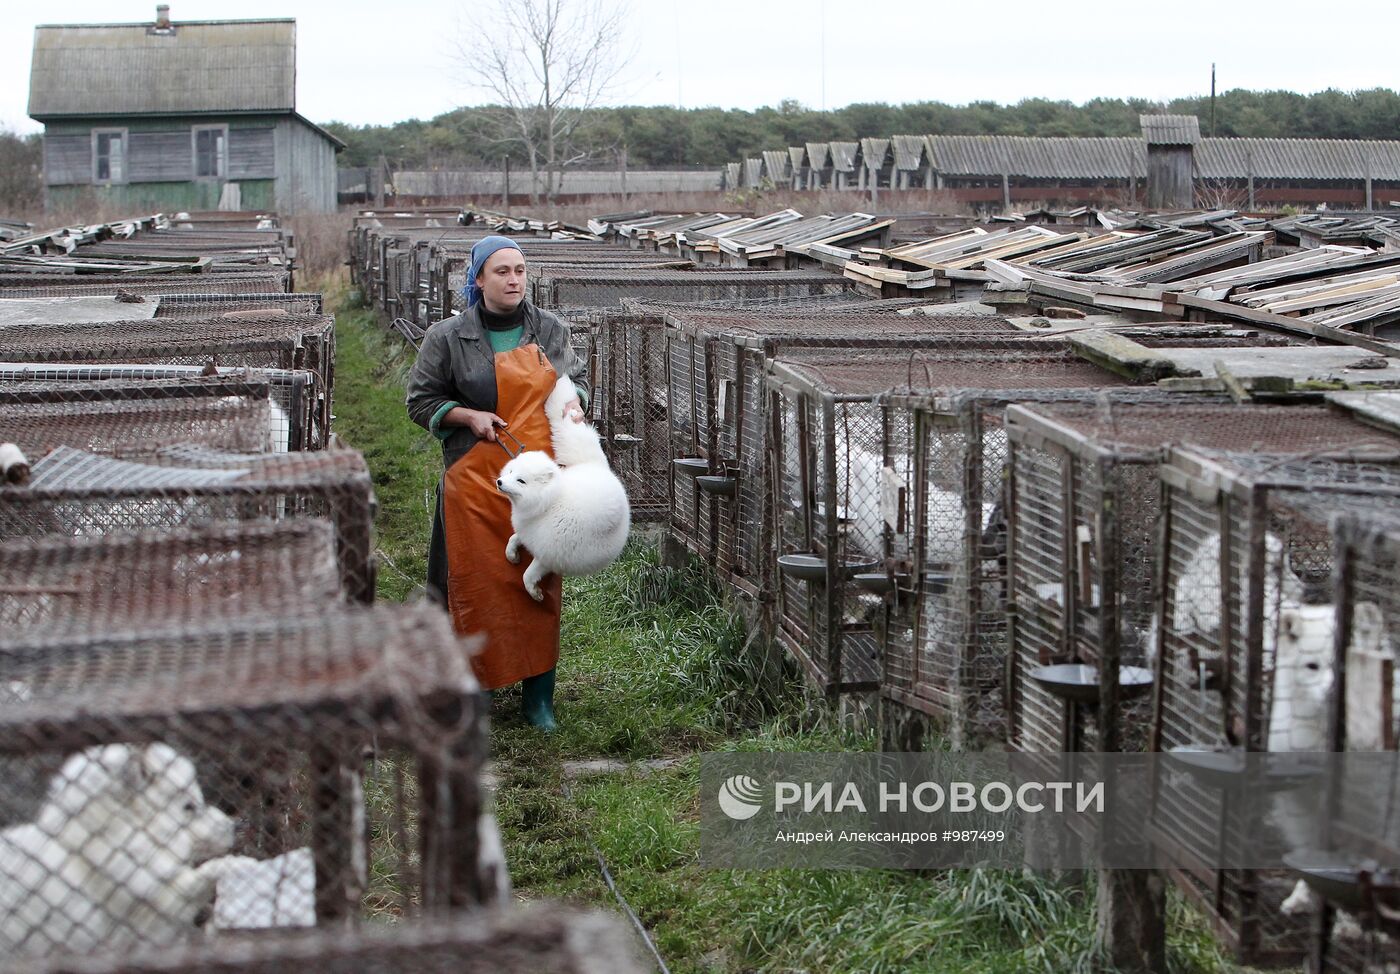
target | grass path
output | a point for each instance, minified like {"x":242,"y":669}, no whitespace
{"x":652,"y":667}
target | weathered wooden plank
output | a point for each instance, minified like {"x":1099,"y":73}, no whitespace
{"x":1122,"y":356}
{"x":251,"y":154}
{"x":68,"y":159}
{"x":1293,"y":325}
{"x":156,"y":157}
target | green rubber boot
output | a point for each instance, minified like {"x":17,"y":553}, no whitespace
{"x":537,"y":700}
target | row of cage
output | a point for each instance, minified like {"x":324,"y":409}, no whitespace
{"x":958,"y":514}
{"x":207,"y":727}
{"x":986,"y":531}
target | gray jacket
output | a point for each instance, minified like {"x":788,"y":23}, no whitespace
{"x":456,"y":364}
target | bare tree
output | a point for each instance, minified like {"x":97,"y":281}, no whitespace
{"x":546,"y":63}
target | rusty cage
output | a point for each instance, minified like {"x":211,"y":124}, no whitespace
{"x":1245,"y":567}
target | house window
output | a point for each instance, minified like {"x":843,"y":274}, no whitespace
{"x":109,"y":156}
{"x":211,"y":152}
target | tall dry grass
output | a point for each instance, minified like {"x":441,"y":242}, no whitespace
{"x":321,"y":242}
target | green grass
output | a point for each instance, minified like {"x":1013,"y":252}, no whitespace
{"x":654,"y":665}
{"x":405,"y":462}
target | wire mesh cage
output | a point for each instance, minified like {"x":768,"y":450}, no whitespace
{"x":27,"y":286}
{"x":287,"y":342}
{"x":136,"y":420}
{"x":72,"y":493}
{"x":524,"y":938}
{"x":202,"y":305}
{"x":1085,"y":509}
{"x":61,"y":587}
{"x":278,"y":771}
{"x":630,"y":403}
{"x":716,"y":362}
{"x":836,"y":447}
{"x":1359,"y":932}
{"x":1244,"y":625}
{"x":591,"y":287}
{"x":293,"y":396}
{"x":947,"y":637}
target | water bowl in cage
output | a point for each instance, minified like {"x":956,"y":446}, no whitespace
{"x":1222,"y":766}
{"x":626,"y":441}
{"x":691,"y":466}
{"x":881,"y":583}
{"x":812,"y":567}
{"x":1335,"y":876}
{"x":724,"y":486}
{"x":1079,"y":682}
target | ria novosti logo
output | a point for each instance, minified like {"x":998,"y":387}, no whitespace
{"x":740,"y":797}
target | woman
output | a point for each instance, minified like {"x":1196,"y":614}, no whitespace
{"x":493,"y":366}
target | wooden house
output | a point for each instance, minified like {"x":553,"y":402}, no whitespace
{"x":188,"y":115}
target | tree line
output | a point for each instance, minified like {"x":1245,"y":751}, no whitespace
{"x":666,"y":137}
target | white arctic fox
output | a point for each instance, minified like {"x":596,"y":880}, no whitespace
{"x":571,"y":512}
{"x":109,"y":861}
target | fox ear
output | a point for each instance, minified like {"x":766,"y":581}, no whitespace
{"x":132,"y":771}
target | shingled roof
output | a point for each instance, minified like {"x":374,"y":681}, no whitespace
{"x":193,"y":67}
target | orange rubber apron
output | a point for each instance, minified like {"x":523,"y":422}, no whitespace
{"x":485,"y":593}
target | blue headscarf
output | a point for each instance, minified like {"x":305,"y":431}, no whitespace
{"x":481,"y":252}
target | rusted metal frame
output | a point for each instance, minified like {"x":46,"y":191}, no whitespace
{"x":969,"y":639}
{"x":831,"y":606}
{"x":702,"y":349}
{"x":1254,"y":501}
{"x":1108,"y":543}
{"x":1010,"y":694}
{"x":1162,"y":562}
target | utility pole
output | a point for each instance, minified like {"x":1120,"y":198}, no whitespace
{"x":1212,"y":99}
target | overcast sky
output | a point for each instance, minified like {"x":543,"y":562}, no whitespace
{"x":372,"y":61}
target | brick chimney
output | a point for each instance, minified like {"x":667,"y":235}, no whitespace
{"x":163,"y":16}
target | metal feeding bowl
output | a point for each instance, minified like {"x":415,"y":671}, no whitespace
{"x":725,"y":486}
{"x":812,"y":567}
{"x":881,"y":583}
{"x":1223,"y":766}
{"x":1334,"y":876}
{"x":1079,"y":682}
{"x":691,"y":466}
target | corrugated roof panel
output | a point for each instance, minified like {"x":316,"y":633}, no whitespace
{"x":753,"y":172}
{"x":843,"y":156}
{"x":1170,"y":129}
{"x":818,"y":155}
{"x":797,"y":153}
{"x":128,"y":69}
{"x":909,"y":152}
{"x":874,"y":152}
{"x":777,"y":165}
{"x":1037,"y":158}
{"x":1348,"y":159}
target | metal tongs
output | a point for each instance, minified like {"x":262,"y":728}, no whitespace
{"x":519,"y":447}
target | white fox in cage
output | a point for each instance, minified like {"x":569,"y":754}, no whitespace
{"x":279,"y":426}
{"x":1197,"y":596}
{"x":110,"y":859}
{"x":571,"y":512}
{"x":1302,"y":683}
{"x":859,"y":486}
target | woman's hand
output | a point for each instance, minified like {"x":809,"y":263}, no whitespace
{"x":482,"y":424}
{"x":573,"y":409}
